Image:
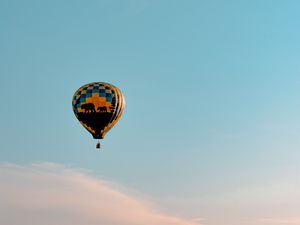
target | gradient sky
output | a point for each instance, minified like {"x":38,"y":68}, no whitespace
{"x":211,"y":128}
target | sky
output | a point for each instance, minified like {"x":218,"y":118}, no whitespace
{"x":210,"y":131}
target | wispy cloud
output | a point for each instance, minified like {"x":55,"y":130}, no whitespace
{"x":51,"y":194}
{"x":280,"y":221}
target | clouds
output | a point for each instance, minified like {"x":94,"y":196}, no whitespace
{"x":52,"y":194}
{"x":280,"y":221}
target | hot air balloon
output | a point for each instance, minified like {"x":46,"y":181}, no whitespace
{"x":98,"y":106}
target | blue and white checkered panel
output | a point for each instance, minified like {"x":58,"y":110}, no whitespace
{"x":86,"y":91}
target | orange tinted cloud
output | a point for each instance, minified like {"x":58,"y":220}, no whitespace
{"x":280,"y":221}
{"x":52,"y":194}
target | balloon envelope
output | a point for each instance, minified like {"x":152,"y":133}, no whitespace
{"x":98,"y":106}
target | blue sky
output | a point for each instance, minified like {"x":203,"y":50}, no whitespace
{"x":211,"y":124}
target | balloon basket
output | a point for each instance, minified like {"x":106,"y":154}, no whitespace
{"x":98,"y":145}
